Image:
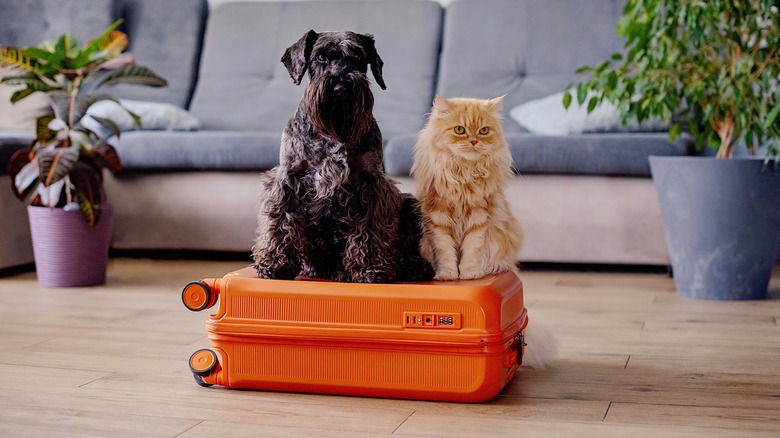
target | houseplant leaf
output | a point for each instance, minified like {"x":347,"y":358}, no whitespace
{"x":43,"y":132}
{"x":109,"y":44}
{"x":133,"y":74}
{"x":109,"y":124}
{"x":89,"y":181}
{"x":50,"y":196}
{"x":16,"y":57}
{"x":55,"y":163}
{"x":107,"y":156}
{"x":25,"y":174}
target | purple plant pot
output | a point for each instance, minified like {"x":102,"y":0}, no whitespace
{"x":67,"y":253}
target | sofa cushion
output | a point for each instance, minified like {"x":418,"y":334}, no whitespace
{"x":547,"y":116}
{"x":153,"y":116}
{"x":203,"y":150}
{"x":243,"y":85}
{"x":526,"y":49}
{"x":585,"y":154}
{"x":165,"y":36}
{"x":30,"y":22}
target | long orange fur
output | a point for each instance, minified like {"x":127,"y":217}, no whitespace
{"x":468,"y":228}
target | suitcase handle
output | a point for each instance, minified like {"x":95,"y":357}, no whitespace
{"x":520,"y":345}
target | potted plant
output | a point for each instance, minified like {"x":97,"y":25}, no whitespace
{"x":62,"y":169}
{"x":709,"y":69}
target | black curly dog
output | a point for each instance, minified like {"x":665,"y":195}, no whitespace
{"x":328,"y":210}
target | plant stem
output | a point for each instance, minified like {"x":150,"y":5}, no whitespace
{"x":725,"y":129}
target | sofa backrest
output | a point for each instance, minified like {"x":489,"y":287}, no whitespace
{"x":526,"y":49}
{"x":243,"y":85}
{"x":30,"y":22}
{"x":166,"y":36}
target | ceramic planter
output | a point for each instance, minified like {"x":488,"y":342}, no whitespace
{"x":67,"y":253}
{"x":721,"y":222}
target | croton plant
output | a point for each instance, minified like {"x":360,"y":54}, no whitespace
{"x":63,"y":167}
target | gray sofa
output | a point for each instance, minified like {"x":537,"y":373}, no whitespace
{"x":584,"y":198}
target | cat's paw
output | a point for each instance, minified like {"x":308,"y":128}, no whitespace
{"x":446,"y":274}
{"x":472,"y":272}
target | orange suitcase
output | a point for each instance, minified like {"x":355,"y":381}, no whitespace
{"x":453,"y":341}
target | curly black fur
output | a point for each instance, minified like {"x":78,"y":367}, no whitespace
{"x":328,"y":210}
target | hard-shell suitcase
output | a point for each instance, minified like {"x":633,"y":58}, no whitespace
{"x":455,"y":340}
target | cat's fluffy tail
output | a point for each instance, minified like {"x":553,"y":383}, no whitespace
{"x":541,"y":342}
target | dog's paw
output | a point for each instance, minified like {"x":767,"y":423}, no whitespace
{"x":446,"y":274}
{"x":276,"y":272}
{"x":370,"y":276}
{"x":415,"y":269}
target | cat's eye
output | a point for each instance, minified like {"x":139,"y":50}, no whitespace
{"x":484,"y":130}
{"x":460,"y":130}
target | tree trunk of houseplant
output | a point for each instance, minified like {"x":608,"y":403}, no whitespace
{"x":721,"y":222}
{"x":68,"y":253}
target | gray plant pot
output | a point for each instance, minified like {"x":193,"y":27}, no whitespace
{"x":67,"y":253}
{"x":722,"y":224}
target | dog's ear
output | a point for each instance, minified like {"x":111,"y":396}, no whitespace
{"x":296,"y":57}
{"x":373,"y":58}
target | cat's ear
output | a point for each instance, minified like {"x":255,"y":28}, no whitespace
{"x":496,"y":104}
{"x":442,"y":105}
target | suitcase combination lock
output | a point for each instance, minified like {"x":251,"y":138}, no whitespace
{"x":432,"y":320}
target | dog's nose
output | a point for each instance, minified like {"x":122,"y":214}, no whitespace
{"x":339,"y":90}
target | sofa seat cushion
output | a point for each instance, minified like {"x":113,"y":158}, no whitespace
{"x":585,"y":154}
{"x":201,"y":150}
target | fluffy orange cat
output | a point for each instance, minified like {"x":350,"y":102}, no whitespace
{"x":461,"y":164}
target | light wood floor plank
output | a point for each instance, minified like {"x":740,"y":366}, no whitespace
{"x":446,"y":426}
{"x":731,"y":417}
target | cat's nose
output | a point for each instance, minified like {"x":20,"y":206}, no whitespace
{"x":473,"y":142}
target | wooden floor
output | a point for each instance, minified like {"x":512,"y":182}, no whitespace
{"x":635,"y":361}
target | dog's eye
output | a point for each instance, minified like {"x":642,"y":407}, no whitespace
{"x":460,"y":130}
{"x":484,"y":130}
{"x":321,"y":58}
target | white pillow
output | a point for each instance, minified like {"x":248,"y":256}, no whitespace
{"x":20,"y":116}
{"x":547,"y":116}
{"x":154,"y":116}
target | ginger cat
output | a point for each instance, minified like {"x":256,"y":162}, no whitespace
{"x":461,"y":164}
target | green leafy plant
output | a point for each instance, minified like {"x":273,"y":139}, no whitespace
{"x":707,"y":67}
{"x":63,"y":166}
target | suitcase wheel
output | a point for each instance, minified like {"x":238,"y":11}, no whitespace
{"x":202,"y":363}
{"x":199,"y":381}
{"x":197,"y":296}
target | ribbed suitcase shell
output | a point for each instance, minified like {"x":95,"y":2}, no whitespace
{"x":454,"y":340}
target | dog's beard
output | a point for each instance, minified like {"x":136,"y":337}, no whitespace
{"x":347,"y":117}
